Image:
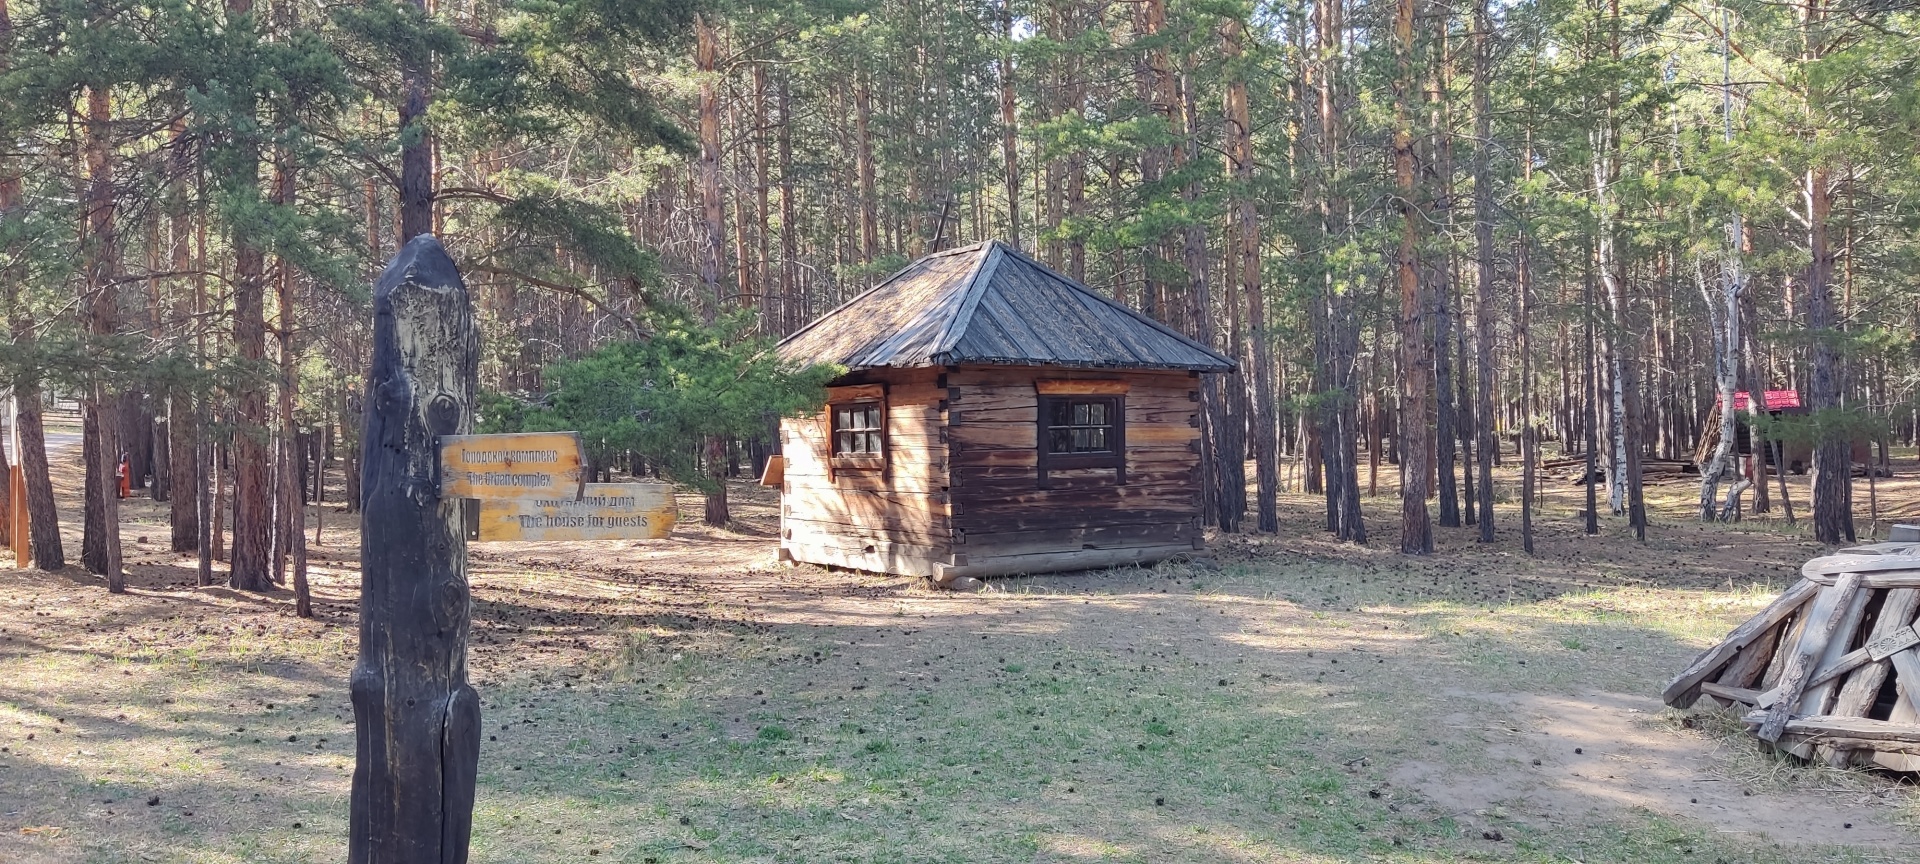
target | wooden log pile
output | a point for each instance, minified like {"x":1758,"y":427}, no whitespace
{"x":1830,"y":672}
{"x":1574,"y":468}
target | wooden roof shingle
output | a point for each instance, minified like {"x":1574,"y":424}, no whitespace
{"x":990,"y":303}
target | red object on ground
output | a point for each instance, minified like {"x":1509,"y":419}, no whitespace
{"x":1776,"y":400}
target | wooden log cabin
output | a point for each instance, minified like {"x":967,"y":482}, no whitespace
{"x":996,"y":418}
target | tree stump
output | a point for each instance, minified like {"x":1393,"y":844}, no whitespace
{"x":416,"y":720}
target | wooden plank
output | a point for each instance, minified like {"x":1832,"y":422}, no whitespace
{"x":776,"y":471}
{"x":1080,"y":387}
{"x":1026,"y":521}
{"x":856,"y":392}
{"x":1731,"y":694}
{"x":519,"y":465}
{"x":1847,"y":622}
{"x":1789,"y":636}
{"x":985,"y":544}
{"x":606,"y":511}
{"x":1892,"y":547}
{"x":1685,"y":687}
{"x":855,"y":507}
{"x":1751,"y":662}
{"x":1893,"y":643}
{"x":1906,"y":671}
{"x":1856,"y":728}
{"x":1877,"y":581}
{"x":1053,"y":562}
{"x":890,"y":530}
{"x":1821,"y":621}
{"x":897,"y":559}
{"x":1895,"y":617}
{"x":975,"y":487}
{"x":1832,"y":565}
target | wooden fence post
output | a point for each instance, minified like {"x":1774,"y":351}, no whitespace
{"x":416,"y":720}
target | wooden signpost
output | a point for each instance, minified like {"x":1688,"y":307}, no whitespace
{"x":416,"y":720}
{"x":607,"y":511}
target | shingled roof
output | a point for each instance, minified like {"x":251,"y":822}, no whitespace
{"x":989,"y":303}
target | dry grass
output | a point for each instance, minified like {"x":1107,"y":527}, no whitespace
{"x":687,"y":700}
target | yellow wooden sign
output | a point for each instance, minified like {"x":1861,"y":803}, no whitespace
{"x":607,"y":511}
{"x":517,"y":466}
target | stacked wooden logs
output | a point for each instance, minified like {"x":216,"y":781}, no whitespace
{"x":1830,"y":672}
{"x":1574,"y":469}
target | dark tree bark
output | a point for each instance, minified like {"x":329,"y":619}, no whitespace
{"x":252,"y":505}
{"x":292,"y":523}
{"x":93,"y":509}
{"x":713,"y":227}
{"x":416,"y":147}
{"x":1246,"y":251}
{"x":183,"y":427}
{"x":416,"y":720}
{"x":100,"y":544}
{"x":43,"y":522}
{"x":1416,"y":360}
{"x":1483,"y":266}
{"x":716,"y":513}
{"x":1832,"y":451}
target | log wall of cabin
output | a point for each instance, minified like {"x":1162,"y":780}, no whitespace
{"x":896,"y":521}
{"x":1003,"y":522}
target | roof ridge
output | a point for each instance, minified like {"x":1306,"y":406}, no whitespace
{"x":971,"y":288}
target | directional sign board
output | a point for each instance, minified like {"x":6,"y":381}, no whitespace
{"x":606,"y":511}
{"x":544,"y":465}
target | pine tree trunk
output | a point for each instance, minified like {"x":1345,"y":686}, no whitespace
{"x":1246,"y":254}
{"x":1339,"y":429}
{"x":716,"y":513}
{"x":1529,"y":445}
{"x":252,"y":502}
{"x":293,"y":516}
{"x":713,"y":243}
{"x":770,"y":311}
{"x":1483,"y":216}
{"x":1450,"y":427}
{"x":796,"y":311}
{"x":43,"y":521}
{"x":1832,"y":453}
{"x":1416,"y":361}
{"x":102,"y":524}
{"x":1009,"y":129}
{"x":416,"y":155}
{"x":93,"y":511}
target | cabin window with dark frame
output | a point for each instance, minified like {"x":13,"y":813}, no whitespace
{"x":859,"y":430}
{"x":1082,"y":432}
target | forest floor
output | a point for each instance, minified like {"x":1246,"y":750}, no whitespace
{"x":1293,"y":699}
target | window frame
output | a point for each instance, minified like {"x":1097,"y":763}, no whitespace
{"x":859,"y":396}
{"x":1115,"y":457}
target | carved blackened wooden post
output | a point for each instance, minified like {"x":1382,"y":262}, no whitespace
{"x":417,"y":722}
